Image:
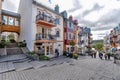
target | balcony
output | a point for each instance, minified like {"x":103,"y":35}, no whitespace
{"x":45,"y":20}
{"x":44,"y":38}
{"x":10,"y":28}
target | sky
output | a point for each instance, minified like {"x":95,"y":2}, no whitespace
{"x":99,"y":15}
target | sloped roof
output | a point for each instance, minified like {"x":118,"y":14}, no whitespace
{"x":5,"y":12}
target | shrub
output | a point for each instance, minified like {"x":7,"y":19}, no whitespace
{"x":32,"y":52}
{"x":75,"y":56}
{"x":43,"y":57}
{"x":12,"y":41}
{"x":119,"y":58}
{"x":22,"y":44}
{"x":2,"y":43}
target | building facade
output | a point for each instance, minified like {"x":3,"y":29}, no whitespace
{"x":70,"y":33}
{"x":84,"y":39}
{"x":42,"y":27}
{"x":112,"y":41}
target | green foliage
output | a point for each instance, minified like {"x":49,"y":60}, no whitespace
{"x":3,"y":37}
{"x":22,"y":44}
{"x":12,"y":41}
{"x":32,"y":52}
{"x":11,"y":36}
{"x":98,"y":46}
{"x":119,"y":58}
{"x":2,"y":43}
{"x":75,"y":55}
{"x":43,"y":57}
{"x":72,"y":43}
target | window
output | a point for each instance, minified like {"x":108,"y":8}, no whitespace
{"x":69,"y":35}
{"x":57,"y":20}
{"x":11,"y":21}
{"x":17,"y":22}
{"x":4,"y":18}
{"x":58,"y":34}
{"x":70,"y":24}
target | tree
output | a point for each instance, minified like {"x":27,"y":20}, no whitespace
{"x":98,"y":46}
{"x":72,"y":43}
{"x":11,"y":36}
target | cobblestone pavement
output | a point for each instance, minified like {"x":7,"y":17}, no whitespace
{"x":82,"y":69}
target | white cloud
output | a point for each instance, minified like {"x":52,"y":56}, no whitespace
{"x":11,"y":5}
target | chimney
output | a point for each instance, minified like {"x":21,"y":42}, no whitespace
{"x":71,"y":18}
{"x":57,"y":8}
{"x":75,"y":22}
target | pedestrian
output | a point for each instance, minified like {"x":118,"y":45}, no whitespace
{"x":100,"y":55}
{"x":116,"y":55}
{"x":94,"y":54}
{"x":108,"y":55}
{"x":105,"y":56}
{"x":57,"y":52}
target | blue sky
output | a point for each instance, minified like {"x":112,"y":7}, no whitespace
{"x":100,"y":15}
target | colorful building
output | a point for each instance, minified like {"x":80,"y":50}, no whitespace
{"x":42,"y":27}
{"x":10,"y":25}
{"x":112,"y":41}
{"x":70,"y":33}
{"x":84,"y":39}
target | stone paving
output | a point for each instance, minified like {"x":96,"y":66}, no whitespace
{"x":12,"y":58}
{"x":82,"y":69}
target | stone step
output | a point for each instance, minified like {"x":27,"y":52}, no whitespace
{"x":12,"y":58}
{"x":22,"y":66}
{"x":51,"y":63}
{"x":11,"y":66}
{"x":15,"y":50}
{"x":3,"y":67}
{"x":38,"y":64}
{"x":6,"y":66}
{"x":22,"y":60}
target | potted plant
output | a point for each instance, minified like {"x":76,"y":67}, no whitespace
{"x":75,"y":55}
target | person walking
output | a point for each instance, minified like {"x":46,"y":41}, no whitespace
{"x":116,"y":55}
{"x":108,"y":55}
{"x":105,"y":56}
{"x":94,"y":54}
{"x":100,"y":55}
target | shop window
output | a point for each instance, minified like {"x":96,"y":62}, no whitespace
{"x":11,"y":21}
{"x":5,"y":18}
{"x":17,"y":22}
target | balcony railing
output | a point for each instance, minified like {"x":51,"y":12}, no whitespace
{"x":44,"y":17}
{"x":40,"y":36}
